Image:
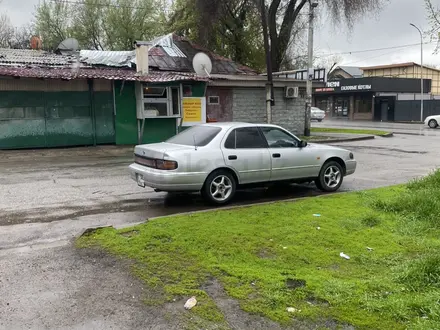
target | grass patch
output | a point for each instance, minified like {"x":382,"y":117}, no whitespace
{"x":349,"y":131}
{"x":271,"y":257}
{"x":316,"y":138}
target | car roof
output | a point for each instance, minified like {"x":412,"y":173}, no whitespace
{"x":237,"y":124}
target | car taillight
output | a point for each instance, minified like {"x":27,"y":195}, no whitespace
{"x":145,"y":161}
{"x":167,"y":165}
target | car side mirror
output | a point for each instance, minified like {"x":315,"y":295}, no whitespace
{"x":303,"y":144}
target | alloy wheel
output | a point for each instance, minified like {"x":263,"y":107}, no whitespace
{"x":332,"y":176}
{"x":221,"y":188}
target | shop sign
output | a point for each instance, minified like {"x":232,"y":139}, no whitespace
{"x":356,"y":88}
{"x":333,"y":84}
{"x":324,"y":90}
{"x":194,"y":111}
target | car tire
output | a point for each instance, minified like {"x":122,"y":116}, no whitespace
{"x":330,"y":177}
{"x":433,"y":123}
{"x":219,"y":187}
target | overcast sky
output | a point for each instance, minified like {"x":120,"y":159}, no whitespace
{"x":388,"y":29}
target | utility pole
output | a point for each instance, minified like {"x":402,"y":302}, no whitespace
{"x":310,"y":72}
{"x":269,"y":87}
{"x":421,"y":72}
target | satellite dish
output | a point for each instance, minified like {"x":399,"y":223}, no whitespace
{"x":70,"y":44}
{"x":202,"y":64}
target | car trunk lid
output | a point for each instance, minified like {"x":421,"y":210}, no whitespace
{"x":158,"y":150}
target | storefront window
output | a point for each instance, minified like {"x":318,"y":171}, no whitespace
{"x":161,"y":101}
{"x":364,"y":104}
{"x":341,"y":108}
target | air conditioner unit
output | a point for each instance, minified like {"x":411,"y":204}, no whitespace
{"x":292,"y":92}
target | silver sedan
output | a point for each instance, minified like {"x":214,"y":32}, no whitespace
{"x":216,"y":159}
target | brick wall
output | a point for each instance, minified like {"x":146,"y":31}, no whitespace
{"x":249,"y":106}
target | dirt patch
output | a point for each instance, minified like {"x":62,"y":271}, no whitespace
{"x":130,"y":234}
{"x":295,"y":283}
{"x":266,"y":254}
{"x":235,"y":317}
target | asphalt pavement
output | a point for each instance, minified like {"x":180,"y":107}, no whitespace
{"x":47,"y":197}
{"x":399,"y":128}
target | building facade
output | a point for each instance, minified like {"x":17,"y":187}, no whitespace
{"x":126,"y":98}
{"x":406,"y":70}
{"x":375,"y":98}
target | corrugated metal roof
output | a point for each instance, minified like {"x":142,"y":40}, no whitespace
{"x":168,"y":45}
{"x":97,"y":73}
{"x":108,"y":58}
{"x":26,"y":57}
{"x":353,"y":71}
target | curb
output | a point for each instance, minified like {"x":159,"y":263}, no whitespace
{"x":388,"y":135}
{"x":226,"y":208}
{"x":361,"y":138}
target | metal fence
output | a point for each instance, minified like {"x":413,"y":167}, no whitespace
{"x":410,"y":110}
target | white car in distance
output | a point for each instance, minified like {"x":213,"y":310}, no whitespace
{"x":432,"y":121}
{"x":317,"y":114}
{"x":218,"y":158}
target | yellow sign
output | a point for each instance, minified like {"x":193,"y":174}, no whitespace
{"x":192,"y":110}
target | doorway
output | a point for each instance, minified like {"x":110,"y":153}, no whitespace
{"x":384,"y":110}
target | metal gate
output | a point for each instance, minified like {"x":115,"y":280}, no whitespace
{"x":38,"y":119}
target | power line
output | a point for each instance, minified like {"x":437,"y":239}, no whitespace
{"x":370,"y":58}
{"x":376,"y":49}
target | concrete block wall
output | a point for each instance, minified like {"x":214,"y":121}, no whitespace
{"x":249,"y":106}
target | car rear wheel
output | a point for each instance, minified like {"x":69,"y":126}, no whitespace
{"x":331,"y":177}
{"x":219,"y":188}
{"x":433,"y":123}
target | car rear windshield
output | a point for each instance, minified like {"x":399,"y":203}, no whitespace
{"x":198,"y":136}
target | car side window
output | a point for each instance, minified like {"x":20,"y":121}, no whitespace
{"x":277,"y":138}
{"x":245,"y":138}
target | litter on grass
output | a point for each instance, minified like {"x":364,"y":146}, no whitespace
{"x":317,"y":215}
{"x":343,"y":255}
{"x":190,"y":303}
{"x":293,"y":310}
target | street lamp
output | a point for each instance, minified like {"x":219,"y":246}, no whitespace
{"x":421,"y":70}
{"x":312,"y":5}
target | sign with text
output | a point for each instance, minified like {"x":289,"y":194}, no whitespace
{"x":333,"y":84}
{"x":194,"y":111}
{"x":356,"y":88}
{"x":374,"y":84}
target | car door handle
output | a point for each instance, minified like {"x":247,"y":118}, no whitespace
{"x":276,"y":155}
{"x":232,"y":157}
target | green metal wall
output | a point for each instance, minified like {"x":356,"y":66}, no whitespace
{"x":104,"y":117}
{"x":33,"y":119}
{"x":155,"y":130}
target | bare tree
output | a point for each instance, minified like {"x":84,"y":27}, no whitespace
{"x":22,"y":37}
{"x":6,"y":31}
{"x":434,"y":20}
{"x":283,"y":14}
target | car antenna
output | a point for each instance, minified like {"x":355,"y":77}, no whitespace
{"x":195,"y":143}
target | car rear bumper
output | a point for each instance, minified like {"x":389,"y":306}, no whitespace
{"x":166,"y":180}
{"x":350,"y":167}
{"x":319,"y":117}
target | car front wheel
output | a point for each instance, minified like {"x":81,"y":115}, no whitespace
{"x":219,"y":188}
{"x":433,"y":123}
{"x":331,"y":177}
